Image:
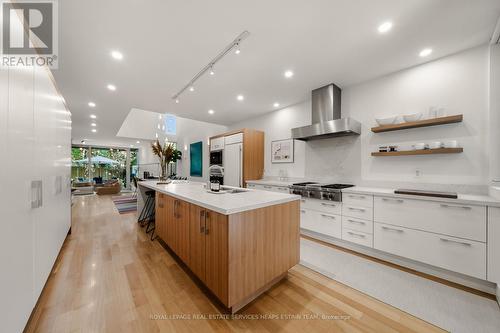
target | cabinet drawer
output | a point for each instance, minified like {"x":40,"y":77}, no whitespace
{"x":358,"y":237}
{"x":362,"y":200}
{"x":459,"y":220}
{"x":360,"y":212}
{"x":326,"y":224}
{"x":357,"y":224}
{"x":329,"y":207}
{"x":249,"y":185}
{"x":455,"y":254}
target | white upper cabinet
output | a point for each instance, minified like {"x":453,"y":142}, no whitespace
{"x":235,"y":138}
{"x":217,"y":144}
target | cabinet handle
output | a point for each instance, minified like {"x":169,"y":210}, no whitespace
{"x":267,"y":186}
{"x":356,"y":196}
{"x":358,"y":209}
{"x":392,"y":229}
{"x":207,"y":223}
{"x":393,"y":200}
{"x":302,"y":211}
{"x":454,"y":241}
{"x":356,"y":235}
{"x":328,"y":205}
{"x":202,"y":219}
{"x":328,"y":216}
{"x":453,"y":206}
{"x":356,"y":222}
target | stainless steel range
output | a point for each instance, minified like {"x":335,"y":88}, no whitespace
{"x":331,"y":192}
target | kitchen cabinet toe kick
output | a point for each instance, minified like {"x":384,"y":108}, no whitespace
{"x":237,"y":257}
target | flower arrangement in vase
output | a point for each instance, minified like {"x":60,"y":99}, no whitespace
{"x":166,"y":154}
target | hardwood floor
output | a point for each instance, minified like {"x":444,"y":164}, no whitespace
{"x":111,"y":278}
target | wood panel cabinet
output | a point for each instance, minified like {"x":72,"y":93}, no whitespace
{"x":172,"y":224}
{"x":236,"y":256}
{"x":208,"y":249}
{"x":253,"y":151}
{"x":160,"y":217}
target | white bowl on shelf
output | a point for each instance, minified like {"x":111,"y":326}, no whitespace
{"x":386,"y":121}
{"x":412,"y":117}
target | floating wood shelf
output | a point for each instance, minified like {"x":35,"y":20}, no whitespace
{"x":420,"y":152}
{"x":420,"y":123}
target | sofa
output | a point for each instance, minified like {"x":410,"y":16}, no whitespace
{"x":111,"y":187}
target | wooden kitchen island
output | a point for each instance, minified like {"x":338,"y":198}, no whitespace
{"x":237,"y":244}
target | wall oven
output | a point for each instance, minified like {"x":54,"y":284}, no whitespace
{"x":216,"y":157}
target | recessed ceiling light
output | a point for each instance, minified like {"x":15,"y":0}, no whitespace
{"x":288,"y":74}
{"x":425,"y":52}
{"x":93,"y":116}
{"x":385,"y":27}
{"x":240,"y":97}
{"x":92,"y":104}
{"x":93,"y":124}
{"x":117,"y":55}
{"x":177,"y":101}
{"x":94,"y":130}
{"x":111,"y":87}
{"x":138,"y":142}
{"x":211,"y":111}
{"x":212,"y":72}
{"x":191,"y":88}
{"x":237,"y":51}
{"x":276,"y":105}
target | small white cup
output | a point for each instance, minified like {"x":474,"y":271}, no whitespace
{"x":433,"y":112}
{"x":419,"y":146}
{"x":451,"y":144}
{"x":441,"y":112}
{"x":435,"y":145}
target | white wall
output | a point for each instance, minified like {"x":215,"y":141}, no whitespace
{"x":495,"y":113}
{"x":143,"y":125}
{"x":458,"y":82}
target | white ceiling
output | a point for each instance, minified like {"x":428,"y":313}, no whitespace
{"x":165,"y":43}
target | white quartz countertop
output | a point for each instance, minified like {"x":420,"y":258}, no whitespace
{"x":226,"y":203}
{"x":472,"y":199}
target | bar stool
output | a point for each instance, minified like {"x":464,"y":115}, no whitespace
{"x":148,"y":210}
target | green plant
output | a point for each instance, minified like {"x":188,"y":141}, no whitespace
{"x":166,"y":154}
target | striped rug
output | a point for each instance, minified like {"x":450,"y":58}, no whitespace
{"x":125,"y":203}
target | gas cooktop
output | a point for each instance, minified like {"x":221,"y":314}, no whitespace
{"x":331,"y":192}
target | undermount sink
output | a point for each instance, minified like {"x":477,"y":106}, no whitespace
{"x":233,"y":190}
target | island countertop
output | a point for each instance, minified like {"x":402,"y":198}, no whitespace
{"x":226,"y":203}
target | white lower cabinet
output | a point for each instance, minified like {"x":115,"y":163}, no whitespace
{"x":455,"y":219}
{"x":320,"y":222}
{"x":357,"y":224}
{"x":455,"y":254}
{"x":358,"y":237}
{"x":329,"y":207}
{"x":357,"y":211}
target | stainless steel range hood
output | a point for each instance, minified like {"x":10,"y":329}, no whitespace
{"x":327,"y":121}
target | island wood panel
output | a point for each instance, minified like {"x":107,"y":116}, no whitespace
{"x":197,"y":241}
{"x":216,"y":254}
{"x":182,"y":230}
{"x":253,"y":155}
{"x":170,"y":225}
{"x":263,"y":245}
{"x":160,"y":218}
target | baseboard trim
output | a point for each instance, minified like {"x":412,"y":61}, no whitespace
{"x":472,"y":285}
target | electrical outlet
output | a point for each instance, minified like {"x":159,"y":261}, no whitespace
{"x":418,"y":173}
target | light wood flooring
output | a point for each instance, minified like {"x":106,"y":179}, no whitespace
{"x":111,"y":278}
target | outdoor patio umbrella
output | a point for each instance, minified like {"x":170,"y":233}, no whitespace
{"x":101,"y":160}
